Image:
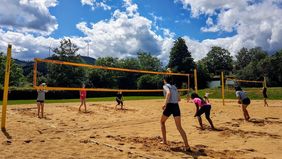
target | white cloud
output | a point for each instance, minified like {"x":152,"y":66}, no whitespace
{"x":255,"y":23}
{"x":131,"y":8}
{"x":28,"y":16}
{"x":127,"y":32}
{"x":95,"y":4}
{"x":123,"y":35}
{"x":26,"y":46}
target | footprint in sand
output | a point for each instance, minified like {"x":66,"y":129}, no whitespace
{"x":55,"y":138}
{"x":267,"y":118}
{"x":8,"y":142}
{"x":27,"y":141}
{"x":245,"y":134}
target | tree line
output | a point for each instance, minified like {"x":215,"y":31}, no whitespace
{"x":249,"y":64}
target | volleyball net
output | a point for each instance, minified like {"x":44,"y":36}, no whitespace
{"x":37,"y":61}
{"x":252,"y":85}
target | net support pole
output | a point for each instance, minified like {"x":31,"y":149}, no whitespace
{"x":222,"y":87}
{"x":196,"y":81}
{"x":227,"y":87}
{"x":6,"y":87}
{"x":188,"y":84}
{"x":35,"y":73}
{"x":264,"y":82}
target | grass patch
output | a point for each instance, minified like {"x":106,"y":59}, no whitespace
{"x":99,"y":99}
{"x":254,"y":93}
{"x":274,"y":93}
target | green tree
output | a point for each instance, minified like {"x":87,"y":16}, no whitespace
{"x":243,"y":58}
{"x":100,"y":78}
{"x":274,"y":74}
{"x":218,"y":59}
{"x":180,"y":60}
{"x":203,"y":74}
{"x":149,"y":82}
{"x":128,"y":80}
{"x":148,"y":62}
{"x":255,"y":66}
{"x":62,"y":75}
{"x":16,"y":72}
{"x":271,"y":68}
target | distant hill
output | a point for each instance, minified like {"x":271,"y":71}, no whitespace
{"x":28,"y":65}
{"x":88,"y":60}
{"x":23,"y":63}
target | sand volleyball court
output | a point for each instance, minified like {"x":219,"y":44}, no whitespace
{"x":104,"y":132}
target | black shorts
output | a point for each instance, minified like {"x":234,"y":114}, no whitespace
{"x":119,"y":101}
{"x":264,"y":96}
{"x":204,"y":109}
{"x":40,"y":101}
{"x":246,"y":101}
{"x":172,"y":108}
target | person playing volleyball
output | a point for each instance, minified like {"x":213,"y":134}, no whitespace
{"x":204,"y":108}
{"x":119,"y":99}
{"x":243,"y":100}
{"x":264,"y":90}
{"x":40,"y":99}
{"x":82,"y":98}
{"x":171,"y":107}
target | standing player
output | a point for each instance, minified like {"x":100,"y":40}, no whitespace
{"x":82,"y":98}
{"x":119,"y":99}
{"x":40,"y":99}
{"x":171,"y":107}
{"x":243,"y":100}
{"x":264,"y":90}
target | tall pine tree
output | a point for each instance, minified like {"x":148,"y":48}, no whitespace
{"x":180,"y":60}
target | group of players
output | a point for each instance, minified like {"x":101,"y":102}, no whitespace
{"x":170,"y":106}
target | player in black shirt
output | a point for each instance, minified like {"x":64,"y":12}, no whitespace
{"x":264,"y":89}
{"x":119,"y":99}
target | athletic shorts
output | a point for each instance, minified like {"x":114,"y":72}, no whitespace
{"x":204,"y":109}
{"x":40,"y":101}
{"x":172,"y":108}
{"x":119,"y":101}
{"x":264,"y":96}
{"x":246,"y":101}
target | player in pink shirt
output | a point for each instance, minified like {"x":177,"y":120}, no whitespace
{"x":202,"y":107}
{"x":82,"y":98}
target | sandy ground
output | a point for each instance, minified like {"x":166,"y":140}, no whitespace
{"x":135,"y":132}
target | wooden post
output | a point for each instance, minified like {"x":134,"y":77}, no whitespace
{"x":188,"y":84}
{"x":6,"y":87}
{"x":196,"y":81}
{"x":222,"y":87}
{"x":35,"y":74}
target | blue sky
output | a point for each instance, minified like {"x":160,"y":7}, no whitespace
{"x":174,"y":17}
{"x":121,"y":28}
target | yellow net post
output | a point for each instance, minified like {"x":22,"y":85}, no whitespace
{"x":35,"y":73}
{"x":222,"y":87}
{"x":195,"y":80}
{"x":6,"y":87}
